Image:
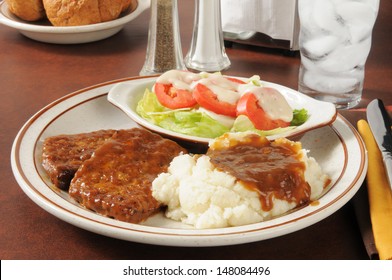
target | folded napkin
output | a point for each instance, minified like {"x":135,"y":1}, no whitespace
{"x":277,"y":19}
{"x":360,"y":203}
{"x":380,"y":194}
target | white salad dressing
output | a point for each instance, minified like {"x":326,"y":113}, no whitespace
{"x":179,"y":79}
{"x":271,"y":101}
{"x":225,"y":90}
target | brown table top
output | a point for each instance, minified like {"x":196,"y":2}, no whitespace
{"x":33,"y":74}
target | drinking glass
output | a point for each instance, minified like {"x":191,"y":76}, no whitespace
{"x":335,"y":41}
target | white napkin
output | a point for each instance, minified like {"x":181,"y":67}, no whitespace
{"x":275,"y":18}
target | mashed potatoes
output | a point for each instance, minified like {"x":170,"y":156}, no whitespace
{"x":199,"y":194}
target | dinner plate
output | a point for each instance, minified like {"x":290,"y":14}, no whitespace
{"x":337,"y":147}
{"x":43,"y":31}
{"x":126,"y":96}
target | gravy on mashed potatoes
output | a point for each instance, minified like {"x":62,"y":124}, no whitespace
{"x":244,"y":178}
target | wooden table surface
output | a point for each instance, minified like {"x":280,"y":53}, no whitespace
{"x":33,"y":74}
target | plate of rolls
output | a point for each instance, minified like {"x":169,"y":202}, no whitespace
{"x":67,"y":21}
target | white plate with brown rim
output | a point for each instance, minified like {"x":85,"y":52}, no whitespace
{"x":337,"y":147}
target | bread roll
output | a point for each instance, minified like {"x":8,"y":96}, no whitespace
{"x":81,"y":12}
{"x":128,"y":4}
{"x":30,"y":10}
{"x":110,"y":9}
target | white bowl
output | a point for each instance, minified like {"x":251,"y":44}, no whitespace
{"x":44,"y":32}
{"x":127,"y":94}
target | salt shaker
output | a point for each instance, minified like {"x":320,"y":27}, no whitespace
{"x":207,"y":51}
{"x":164,"y":45}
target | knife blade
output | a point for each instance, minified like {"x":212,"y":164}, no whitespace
{"x":380,"y":126}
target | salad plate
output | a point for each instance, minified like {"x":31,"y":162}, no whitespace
{"x":43,"y":31}
{"x":337,"y":147}
{"x":126,"y":96}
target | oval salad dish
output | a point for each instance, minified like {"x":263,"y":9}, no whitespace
{"x":128,"y":95}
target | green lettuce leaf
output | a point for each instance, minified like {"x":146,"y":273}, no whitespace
{"x":196,"y":123}
{"x":300,"y":116}
{"x":185,"y":121}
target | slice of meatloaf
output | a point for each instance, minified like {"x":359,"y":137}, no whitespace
{"x":116,"y":181}
{"x":62,"y":155}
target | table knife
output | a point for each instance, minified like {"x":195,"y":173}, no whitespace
{"x":380,"y":126}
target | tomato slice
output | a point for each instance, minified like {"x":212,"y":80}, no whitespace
{"x":208,"y":100}
{"x":248,"y":105}
{"x":172,"y":97}
{"x":235,"y":80}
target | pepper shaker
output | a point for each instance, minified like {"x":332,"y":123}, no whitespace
{"x":164,"y":45}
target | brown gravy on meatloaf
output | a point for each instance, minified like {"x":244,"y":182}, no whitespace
{"x":63,"y":154}
{"x":116,"y":181}
{"x":268,"y":167}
